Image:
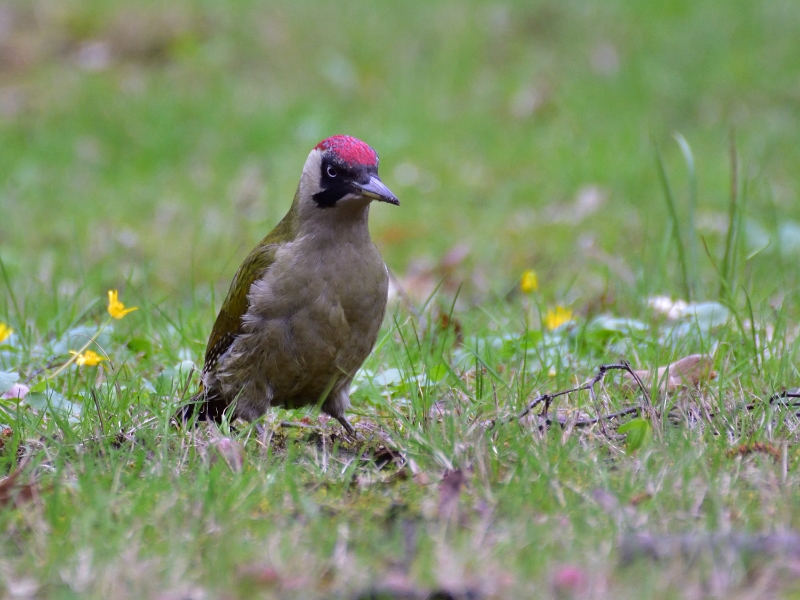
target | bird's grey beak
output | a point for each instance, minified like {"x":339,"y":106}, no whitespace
{"x":376,"y":190}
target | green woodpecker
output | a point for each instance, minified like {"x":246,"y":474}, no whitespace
{"x":303,"y":311}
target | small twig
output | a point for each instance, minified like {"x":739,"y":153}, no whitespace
{"x":602,"y":370}
{"x":654,"y":421}
{"x":601,"y":373}
{"x":753,"y":405}
{"x":593,"y":396}
{"x":600,"y":419}
{"x":188,"y":382}
{"x":546,"y":407}
{"x":593,"y":420}
{"x":535,"y":403}
{"x":615,"y":415}
{"x":638,"y":381}
{"x":49,"y":365}
{"x":783,"y":395}
{"x":298,"y":425}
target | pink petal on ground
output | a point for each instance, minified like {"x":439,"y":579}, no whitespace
{"x":18,"y":391}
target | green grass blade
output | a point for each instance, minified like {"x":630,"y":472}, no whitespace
{"x":676,"y":224}
{"x":691,"y":225}
{"x":728,"y":258}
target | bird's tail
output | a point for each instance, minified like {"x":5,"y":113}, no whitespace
{"x":186,"y":411}
{"x":206,"y":404}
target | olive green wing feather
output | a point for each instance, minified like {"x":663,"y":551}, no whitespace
{"x":208,"y":403}
{"x":229,"y":320}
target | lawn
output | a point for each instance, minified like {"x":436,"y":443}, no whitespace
{"x":638,"y":160}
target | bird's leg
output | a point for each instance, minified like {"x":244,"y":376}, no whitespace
{"x":337,"y":402}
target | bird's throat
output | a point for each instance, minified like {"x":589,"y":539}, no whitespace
{"x":346,"y":223}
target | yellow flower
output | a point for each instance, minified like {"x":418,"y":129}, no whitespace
{"x":557,"y":316}
{"x":5,"y":332}
{"x":116,"y":308}
{"x":529,"y":282}
{"x":87,"y":358}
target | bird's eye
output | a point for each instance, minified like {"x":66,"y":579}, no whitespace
{"x":331,"y":172}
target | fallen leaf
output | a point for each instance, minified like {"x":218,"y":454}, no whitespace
{"x":13,"y":492}
{"x":447,"y":321}
{"x":419,"y":476}
{"x":688,"y":371}
{"x":230,"y":451}
{"x":637,"y":499}
{"x":17,"y":391}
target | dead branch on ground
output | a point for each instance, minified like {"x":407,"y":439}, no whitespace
{"x":645,"y":408}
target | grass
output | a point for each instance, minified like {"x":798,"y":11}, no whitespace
{"x":148,"y":148}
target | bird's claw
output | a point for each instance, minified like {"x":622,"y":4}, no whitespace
{"x":349,"y":429}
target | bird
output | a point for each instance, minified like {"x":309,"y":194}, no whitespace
{"x":304,"y":309}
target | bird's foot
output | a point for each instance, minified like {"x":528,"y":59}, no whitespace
{"x":351,"y":432}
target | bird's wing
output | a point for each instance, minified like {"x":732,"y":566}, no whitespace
{"x":229,"y":320}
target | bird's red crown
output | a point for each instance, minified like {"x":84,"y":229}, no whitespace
{"x":349,"y":149}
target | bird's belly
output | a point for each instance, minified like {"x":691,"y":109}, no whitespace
{"x":306,"y":332}
{"x":329,"y":340}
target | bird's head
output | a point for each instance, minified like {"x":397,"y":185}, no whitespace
{"x":341,"y":171}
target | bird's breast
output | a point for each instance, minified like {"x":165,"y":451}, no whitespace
{"x":327,"y":297}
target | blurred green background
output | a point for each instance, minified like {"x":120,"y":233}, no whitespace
{"x":152,"y":144}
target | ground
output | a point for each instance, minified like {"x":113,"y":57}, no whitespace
{"x":581,"y":184}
